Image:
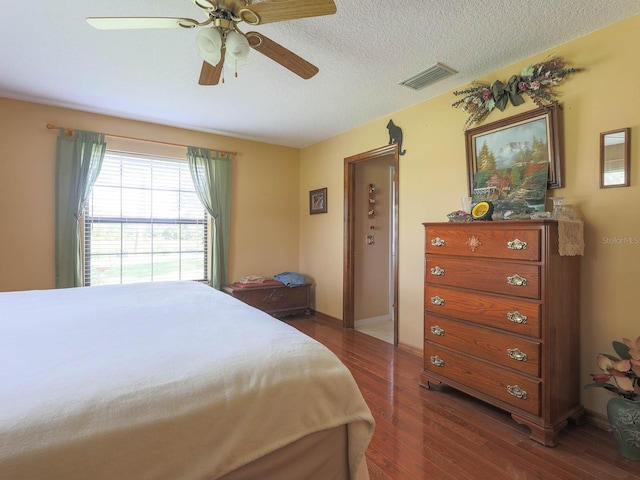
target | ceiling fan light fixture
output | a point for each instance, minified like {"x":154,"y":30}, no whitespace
{"x":237,"y":47}
{"x":212,"y":59}
{"x":234,"y":63}
{"x":209,"y":42}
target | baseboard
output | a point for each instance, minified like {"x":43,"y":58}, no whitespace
{"x":597,"y":420}
{"x":327,"y":317}
{"x":410,"y":349}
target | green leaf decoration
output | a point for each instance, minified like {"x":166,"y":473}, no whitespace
{"x":527,"y":71}
{"x":500,"y":95}
{"x":491,"y":104}
{"x":621,"y":349}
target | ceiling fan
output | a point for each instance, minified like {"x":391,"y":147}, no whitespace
{"x":223,"y":41}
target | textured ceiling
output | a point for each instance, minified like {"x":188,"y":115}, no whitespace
{"x":50,"y":55}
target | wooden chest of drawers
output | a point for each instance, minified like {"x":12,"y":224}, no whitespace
{"x":502,"y":320}
{"x":277,"y":300}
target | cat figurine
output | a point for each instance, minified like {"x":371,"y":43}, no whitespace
{"x":395,"y":136}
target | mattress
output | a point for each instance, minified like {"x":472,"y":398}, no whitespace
{"x":170,"y":380}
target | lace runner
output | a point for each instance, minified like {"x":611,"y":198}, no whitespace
{"x":570,"y":237}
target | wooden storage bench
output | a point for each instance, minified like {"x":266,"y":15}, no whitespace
{"x":277,"y":300}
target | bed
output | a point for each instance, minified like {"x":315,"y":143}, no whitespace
{"x":169,"y":380}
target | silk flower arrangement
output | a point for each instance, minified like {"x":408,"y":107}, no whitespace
{"x":537,"y":81}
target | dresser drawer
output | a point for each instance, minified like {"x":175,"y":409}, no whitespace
{"x":520,"y":244}
{"x":517,"y":279}
{"x":512,"y":314}
{"x":500,"y":348}
{"x":510,"y":387}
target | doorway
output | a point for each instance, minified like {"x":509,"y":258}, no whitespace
{"x":370,"y":276}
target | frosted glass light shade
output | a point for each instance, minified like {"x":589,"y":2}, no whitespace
{"x":237,"y":46}
{"x":209,"y":43}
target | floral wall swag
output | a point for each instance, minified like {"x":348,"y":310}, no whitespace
{"x":537,"y":81}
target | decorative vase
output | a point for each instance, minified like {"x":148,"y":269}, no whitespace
{"x":624,"y":419}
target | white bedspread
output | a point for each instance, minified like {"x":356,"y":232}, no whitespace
{"x":170,"y":380}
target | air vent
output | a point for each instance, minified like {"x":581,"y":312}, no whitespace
{"x":430,"y":75}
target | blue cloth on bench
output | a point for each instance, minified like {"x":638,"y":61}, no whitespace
{"x":290,"y":279}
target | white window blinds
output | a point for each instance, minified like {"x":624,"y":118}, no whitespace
{"x":144,"y":222}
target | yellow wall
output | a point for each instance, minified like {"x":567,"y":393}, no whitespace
{"x":433,"y":177}
{"x":264,"y":226}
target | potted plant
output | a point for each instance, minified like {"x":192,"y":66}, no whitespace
{"x":624,"y":410}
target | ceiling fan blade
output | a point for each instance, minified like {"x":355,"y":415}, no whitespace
{"x":281,"y":55}
{"x":210,"y":75}
{"x":280,"y":10}
{"x":119,"y":23}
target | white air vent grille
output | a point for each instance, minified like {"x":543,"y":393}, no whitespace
{"x":427,"y":77}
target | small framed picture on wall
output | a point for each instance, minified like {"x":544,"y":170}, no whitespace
{"x":318,"y":201}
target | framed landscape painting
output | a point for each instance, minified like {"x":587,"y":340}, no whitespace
{"x":509,"y":145}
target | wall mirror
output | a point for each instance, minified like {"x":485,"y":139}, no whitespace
{"x":614,"y":158}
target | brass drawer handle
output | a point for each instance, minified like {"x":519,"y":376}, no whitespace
{"x":437,"y":242}
{"x":517,"y":317}
{"x":517,"y":281}
{"x":517,"y":354}
{"x":516,"y":391}
{"x":437,"y":330}
{"x":437,"y":361}
{"x":437,"y":271}
{"x":517,"y":244}
{"x":437,"y":300}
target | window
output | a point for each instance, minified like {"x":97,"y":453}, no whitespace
{"x":144,"y":222}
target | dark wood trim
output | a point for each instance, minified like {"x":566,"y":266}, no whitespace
{"x":409,"y":349}
{"x":598,"y":420}
{"x":324,"y":316}
{"x":349,"y":230}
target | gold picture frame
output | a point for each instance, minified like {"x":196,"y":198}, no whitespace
{"x":615,"y":158}
{"x":507,"y":140}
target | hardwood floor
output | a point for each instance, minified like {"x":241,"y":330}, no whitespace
{"x":441,"y":433}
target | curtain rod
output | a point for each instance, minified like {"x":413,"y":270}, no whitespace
{"x":69,"y":132}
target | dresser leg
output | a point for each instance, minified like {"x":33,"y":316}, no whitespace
{"x":546,"y":436}
{"x":579,"y":417}
{"x":427,"y":382}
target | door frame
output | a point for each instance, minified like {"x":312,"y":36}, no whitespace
{"x":349,"y":232}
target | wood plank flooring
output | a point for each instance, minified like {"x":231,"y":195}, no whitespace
{"x":444,"y":434}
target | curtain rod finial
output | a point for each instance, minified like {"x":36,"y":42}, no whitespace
{"x":68,"y":132}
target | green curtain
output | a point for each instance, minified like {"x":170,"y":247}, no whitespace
{"x":211,"y":176}
{"x":78,"y":161}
